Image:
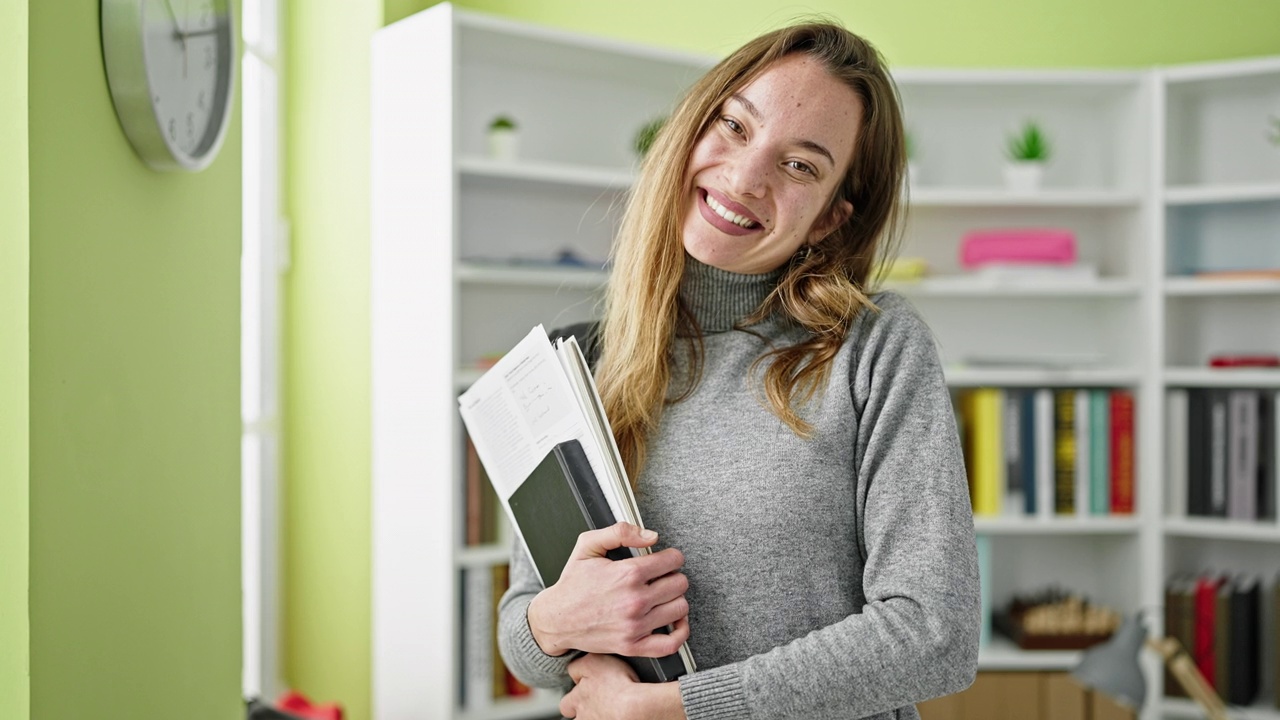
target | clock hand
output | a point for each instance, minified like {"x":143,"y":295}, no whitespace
{"x":178,"y":33}
{"x":198,"y":33}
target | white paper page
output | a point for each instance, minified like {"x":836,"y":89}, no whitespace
{"x":609,"y":468}
{"x":519,"y":409}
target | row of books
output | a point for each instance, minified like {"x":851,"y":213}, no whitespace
{"x":1220,"y":621}
{"x":484,"y":677}
{"x":1048,"y":451}
{"x":481,"y":508}
{"x":1223,"y":453}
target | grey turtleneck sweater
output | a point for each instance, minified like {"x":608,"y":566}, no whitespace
{"x":833,"y":577}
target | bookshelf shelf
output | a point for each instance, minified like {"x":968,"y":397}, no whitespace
{"x":1222,"y":193}
{"x":549,"y":276}
{"x":482,"y":556}
{"x":1178,"y":708}
{"x":1039,"y":377}
{"x":1056,"y":525}
{"x":979,"y":287}
{"x":926,"y":196}
{"x":538,"y":705}
{"x":1002,"y":654}
{"x":1184,"y":286}
{"x":539,"y":173}
{"x":1227,"y":377}
{"x":1222,"y":529}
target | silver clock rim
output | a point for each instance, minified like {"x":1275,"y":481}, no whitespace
{"x":124,"y":58}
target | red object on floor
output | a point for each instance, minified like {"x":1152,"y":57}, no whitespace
{"x":295,"y":703}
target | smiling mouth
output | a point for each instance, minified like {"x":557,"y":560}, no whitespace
{"x":728,"y":214}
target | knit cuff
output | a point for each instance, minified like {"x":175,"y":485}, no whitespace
{"x":528,"y":647}
{"x":714,"y":694}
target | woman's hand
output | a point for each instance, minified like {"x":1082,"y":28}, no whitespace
{"x":607,"y":606}
{"x":605,"y":688}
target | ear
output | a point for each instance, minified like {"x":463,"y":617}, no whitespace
{"x":837,"y":216}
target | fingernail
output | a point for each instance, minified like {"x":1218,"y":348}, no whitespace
{"x":648,"y":535}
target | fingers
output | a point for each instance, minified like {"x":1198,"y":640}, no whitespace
{"x":595,"y":543}
{"x":655,"y":565}
{"x":667,"y":588}
{"x":660,"y":644}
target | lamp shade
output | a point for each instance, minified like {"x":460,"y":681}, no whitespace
{"x":1112,"y":667}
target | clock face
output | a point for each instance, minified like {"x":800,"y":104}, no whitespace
{"x":170,"y":65}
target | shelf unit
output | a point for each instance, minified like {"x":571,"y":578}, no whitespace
{"x":464,"y":251}
{"x":1219,"y":186}
{"x":447,"y":222}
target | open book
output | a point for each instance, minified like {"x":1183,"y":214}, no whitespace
{"x":540,"y":431}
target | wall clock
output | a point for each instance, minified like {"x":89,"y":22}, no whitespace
{"x":171,"y":69}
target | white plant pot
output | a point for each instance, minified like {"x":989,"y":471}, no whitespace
{"x":1023,"y":177}
{"x":504,"y":144}
{"x":913,"y":173}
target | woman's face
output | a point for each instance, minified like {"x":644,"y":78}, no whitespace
{"x":765,"y":169}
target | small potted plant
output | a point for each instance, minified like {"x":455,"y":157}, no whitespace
{"x":646,"y":135}
{"x":503,"y":138}
{"x":1028,"y":151}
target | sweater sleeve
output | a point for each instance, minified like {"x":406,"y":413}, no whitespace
{"x":522,"y":654}
{"x":916,"y":637}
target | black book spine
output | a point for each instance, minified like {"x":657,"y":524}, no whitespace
{"x":595,"y":508}
{"x":1198,"y":440}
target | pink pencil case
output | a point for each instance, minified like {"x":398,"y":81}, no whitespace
{"x":1038,"y":246}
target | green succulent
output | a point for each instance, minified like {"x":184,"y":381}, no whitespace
{"x":647,"y":134}
{"x":909,"y":141}
{"x":502,"y":122}
{"x":1030,"y":145}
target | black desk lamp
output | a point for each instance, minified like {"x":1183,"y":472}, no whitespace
{"x":1112,"y":669}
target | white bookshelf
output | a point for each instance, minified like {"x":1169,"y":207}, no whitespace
{"x":1152,"y":170}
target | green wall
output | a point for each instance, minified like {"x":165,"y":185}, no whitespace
{"x":327,"y":338}
{"x":134,"y":404}
{"x":14,"y":344}
{"x":326,"y":538}
{"x":1029,"y":33}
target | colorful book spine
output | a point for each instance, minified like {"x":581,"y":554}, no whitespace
{"x":1030,"y":452}
{"x":1015,"y":494}
{"x":1176,"y":460}
{"x":1045,"y":453}
{"x":1064,"y":451}
{"x":1083,"y":465}
{"x":1122,"y":455}
{"x":1100,"y":452}
{"x":988,"y":460}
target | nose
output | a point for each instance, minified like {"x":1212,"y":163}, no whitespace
{"x":747,"y":172}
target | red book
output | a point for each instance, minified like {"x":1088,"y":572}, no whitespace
{"x":1244,"y":361}
{"x":1206,"y":601}
{"x":1122,"y":465}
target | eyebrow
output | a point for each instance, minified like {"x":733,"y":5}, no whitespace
{"x":806,"y":144}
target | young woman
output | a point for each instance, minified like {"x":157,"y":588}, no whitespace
{"x":790,"y":435}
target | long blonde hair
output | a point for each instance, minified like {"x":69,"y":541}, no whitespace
{"x":822,"y":287}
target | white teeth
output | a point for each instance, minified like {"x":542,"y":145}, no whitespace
{"x":728,"y":214}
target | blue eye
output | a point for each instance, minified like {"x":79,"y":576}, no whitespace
{"x":732,"y":124}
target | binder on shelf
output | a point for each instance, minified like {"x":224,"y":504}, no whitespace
{"x":540,"y":431}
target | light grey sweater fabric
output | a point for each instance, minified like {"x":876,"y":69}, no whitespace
{"x":833,"y":577}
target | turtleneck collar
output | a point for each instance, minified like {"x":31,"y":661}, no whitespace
{"x":720,"y":299}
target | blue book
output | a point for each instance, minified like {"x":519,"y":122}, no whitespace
{"x":1100,"y":452}
{"x":1027,"y":440}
